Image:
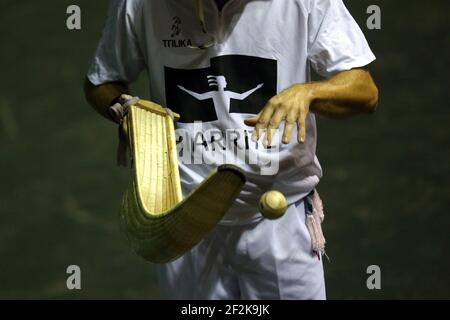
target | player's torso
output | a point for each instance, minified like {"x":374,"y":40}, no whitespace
{"x":260,"y":49}
{"x":256,"y":42}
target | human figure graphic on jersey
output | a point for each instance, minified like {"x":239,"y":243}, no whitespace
{"x":221,"y":97}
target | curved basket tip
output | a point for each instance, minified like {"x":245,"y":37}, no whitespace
{"x":233,"y":168}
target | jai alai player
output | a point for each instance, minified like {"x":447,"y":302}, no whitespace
{"x":243,"y":65}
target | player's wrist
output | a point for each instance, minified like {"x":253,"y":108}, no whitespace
{"x":118,"y":108}
{"x":306,"y":93}
{"x":313,"y":91}
{"x":115,"y":100}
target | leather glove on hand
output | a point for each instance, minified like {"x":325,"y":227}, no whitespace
{"x":120,"y":109}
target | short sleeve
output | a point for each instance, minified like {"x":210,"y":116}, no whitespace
{"x":118,"y":56}
{"x":336,"y":42}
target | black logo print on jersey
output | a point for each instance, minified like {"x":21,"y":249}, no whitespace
{"x":232,"y":84}
{"x":176,"y":28}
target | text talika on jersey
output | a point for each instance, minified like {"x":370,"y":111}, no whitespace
{"x":177,"y":43}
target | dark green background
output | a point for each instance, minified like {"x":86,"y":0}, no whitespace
{"x":385,"y":188}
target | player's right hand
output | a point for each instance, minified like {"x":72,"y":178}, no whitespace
{"x":120,"y":109}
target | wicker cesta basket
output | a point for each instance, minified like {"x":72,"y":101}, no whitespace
{"x":159,"y":224}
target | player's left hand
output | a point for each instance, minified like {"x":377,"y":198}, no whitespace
{"x":291,"y":106}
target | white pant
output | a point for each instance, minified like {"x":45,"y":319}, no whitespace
{"x":262,"y":260}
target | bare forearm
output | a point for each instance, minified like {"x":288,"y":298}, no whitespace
{"x":100,"y":97}
{"x":347,"y":93}
{"x":344,"y":95}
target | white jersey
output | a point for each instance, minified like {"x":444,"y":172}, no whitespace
{"x":259,"y":49}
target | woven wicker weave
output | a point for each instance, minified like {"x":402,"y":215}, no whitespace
{"x":159,"y":224}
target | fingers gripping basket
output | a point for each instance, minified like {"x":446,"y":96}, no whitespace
{"x":159,"y":224}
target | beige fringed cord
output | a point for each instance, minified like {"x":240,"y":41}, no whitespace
{"x":314,"y":218}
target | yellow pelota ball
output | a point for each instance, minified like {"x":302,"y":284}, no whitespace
{"x":273,"y":205}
